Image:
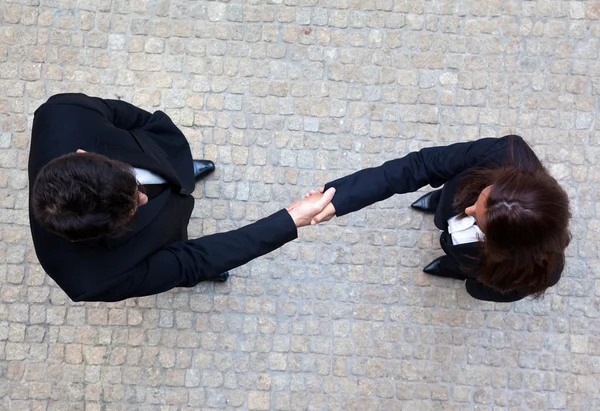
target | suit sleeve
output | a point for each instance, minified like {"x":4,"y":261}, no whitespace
{"x":433,"y":166}
{"x":482,"y":292}
{"x":185,"y":264}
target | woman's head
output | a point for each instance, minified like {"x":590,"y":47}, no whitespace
{"x":525,"y":217}
{"x":83,"y":196}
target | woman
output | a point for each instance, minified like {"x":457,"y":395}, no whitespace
{"x":504,"y":218}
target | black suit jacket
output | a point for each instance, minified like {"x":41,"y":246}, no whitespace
{"x":155,"y":255}
{"x":436,"y":166}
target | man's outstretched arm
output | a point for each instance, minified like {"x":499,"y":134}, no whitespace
{"x":186,"y":263}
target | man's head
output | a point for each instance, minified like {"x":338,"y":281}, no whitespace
{"x":84,"y":196}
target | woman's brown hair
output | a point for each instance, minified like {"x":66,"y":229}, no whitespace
{"x":526,"y":223}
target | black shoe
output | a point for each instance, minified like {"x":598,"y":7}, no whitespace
{"x":433,"y":268}
{"x":426,"y":203}
{"x":221,"y":278}
{"x":203,"y":168}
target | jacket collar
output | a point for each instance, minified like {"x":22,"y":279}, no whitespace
{"x":149,"y":158}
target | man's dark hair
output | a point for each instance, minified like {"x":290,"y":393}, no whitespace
{"x":85,"y":196}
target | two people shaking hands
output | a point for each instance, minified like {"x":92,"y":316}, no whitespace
{"x":110,"y":201}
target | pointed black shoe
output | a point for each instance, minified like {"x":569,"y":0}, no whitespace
{"x":425,"y":203}
{"x":203,"y":168}
{"x":433,"y":268}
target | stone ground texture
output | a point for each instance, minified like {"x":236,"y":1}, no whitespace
{"x":285,"y":95}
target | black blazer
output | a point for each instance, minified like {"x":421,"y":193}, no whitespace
{"x":436,"y":166}
{"x":155,"y":256}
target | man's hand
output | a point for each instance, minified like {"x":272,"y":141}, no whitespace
{"x":328,"y":212}
{"x":304,"y":211}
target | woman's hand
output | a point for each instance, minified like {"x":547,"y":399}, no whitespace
{"x":304,"y":211}
{"x":328,"y":212}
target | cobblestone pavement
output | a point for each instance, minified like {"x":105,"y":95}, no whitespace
{"x":286,"y":95}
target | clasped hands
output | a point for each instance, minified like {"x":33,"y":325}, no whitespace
{"x":314,"y":208}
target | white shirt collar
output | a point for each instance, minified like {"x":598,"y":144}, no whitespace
{"x":464,"y":230}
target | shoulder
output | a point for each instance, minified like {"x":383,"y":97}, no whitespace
{"x":63,"y":98}
{"x":68,"y":103}
{"x":517,"y":143}
{"x":513,"y":141}
{"x":514,"y":150}
{"x":66,"y":113}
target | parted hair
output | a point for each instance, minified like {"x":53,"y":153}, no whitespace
{"x":85,"y":196}
{"x":526,"y":224}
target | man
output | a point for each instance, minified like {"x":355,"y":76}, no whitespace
{"x":110,"y":201}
